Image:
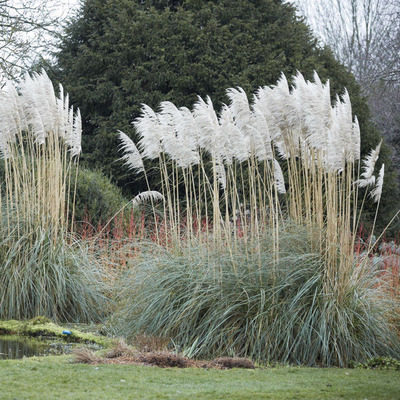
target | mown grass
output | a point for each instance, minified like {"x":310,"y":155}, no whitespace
{"x":56,"y":378}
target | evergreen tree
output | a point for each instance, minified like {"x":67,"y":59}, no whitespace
{"x":118,"y":54}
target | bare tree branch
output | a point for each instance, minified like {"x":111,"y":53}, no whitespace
{"x":27,"y":28}
{"x":365,"y":36}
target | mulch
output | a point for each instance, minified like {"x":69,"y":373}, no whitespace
{"x":164,"y":359}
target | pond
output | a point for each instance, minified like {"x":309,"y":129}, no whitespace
{"x":14,"y":347}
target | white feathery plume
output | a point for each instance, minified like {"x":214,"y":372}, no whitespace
{"x":287,"y":118}
{"x":334,"y":155}
{"x":187,"y":129}
{"x":324,"y":92}
{"x":64,"y":114}
{"x":75,"y":141}
{"x":345,"y":120}
{"x":132,"y":157}
{"x":261,"y":127}
{"x":369,"y":162}
{"x":236,"y":144}
{"x":48,"y":102}
{"x":30,"y":100}
{"x":377,"y":191}
{"x":355,"y":143}
{"x":207,"y":122}
{"x":240,"y":108}
{"x":146,"y":196}
{"x":220,"y":173}
{"x":366,"y":182}
{"x":312,"y":101}
{"x":69,"y":128}
{"x":285,"y":110}
{"x":264,"y":101}
{"x":10,"y":118}
{"x":70,"y":124}
{"x":183,"y":123}
{"x":251,"y":122}
{"x":176,"y":146}
{"x":150,"y":131}
{"x":278,"y":178}
{"x":60,"y":110}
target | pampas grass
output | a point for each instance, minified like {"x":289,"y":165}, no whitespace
{"x":258,"y":163}
{"x":280,"y":309}
{"x":44,"y":270}
{"x":40,"y":139}
{"x":60,"y":279}
{"x":264,"y":264}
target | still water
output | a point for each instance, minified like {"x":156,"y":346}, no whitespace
{"x":12,"y":347}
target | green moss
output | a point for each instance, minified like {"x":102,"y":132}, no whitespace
{"x":35,"y":327}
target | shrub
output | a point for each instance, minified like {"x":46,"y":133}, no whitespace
{"x":246,"y":303}
{"x":97,"y":199}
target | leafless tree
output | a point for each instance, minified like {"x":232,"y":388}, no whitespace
{"x":26,"y":28}
{"x":365,"y":36}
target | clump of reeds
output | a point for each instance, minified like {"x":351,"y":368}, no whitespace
{"x":43,"y":270}
{"x":40,"y":139}
{"x":288,"y":154}
{"x":251,"y":304}
{"x":287,"y":158}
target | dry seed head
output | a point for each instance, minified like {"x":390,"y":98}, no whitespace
{"x":133,"y":159}
{"x":377,"y":192}
{"x":369,"y":162}
{"x":279,"y":179}
{"x":143,"y":197}
{"x":150,"y":133}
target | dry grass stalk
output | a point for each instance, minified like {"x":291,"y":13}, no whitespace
{"x":148,"y":343}
{"x":234,"y":362}
{"x":83,"y":355}
{"x":120,"y":349}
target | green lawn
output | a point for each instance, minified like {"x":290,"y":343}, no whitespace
{"x":56,"y":378}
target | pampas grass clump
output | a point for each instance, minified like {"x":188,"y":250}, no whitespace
{"x":60,"y":279}
{"x":247,"y":304}
{"x":260,"y":212}
{"x":43,"y":269}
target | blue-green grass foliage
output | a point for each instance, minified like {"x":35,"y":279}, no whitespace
{"x":246,"y":302}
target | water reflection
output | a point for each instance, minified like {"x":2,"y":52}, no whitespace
{"x":12,"y":347}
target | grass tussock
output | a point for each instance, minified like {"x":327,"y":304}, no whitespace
{"x":250,"y":304}
{"x":44,"y":270}
{"x":84,"y":355}
{"x":58,"y":279}
{"x":119,"y":349}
